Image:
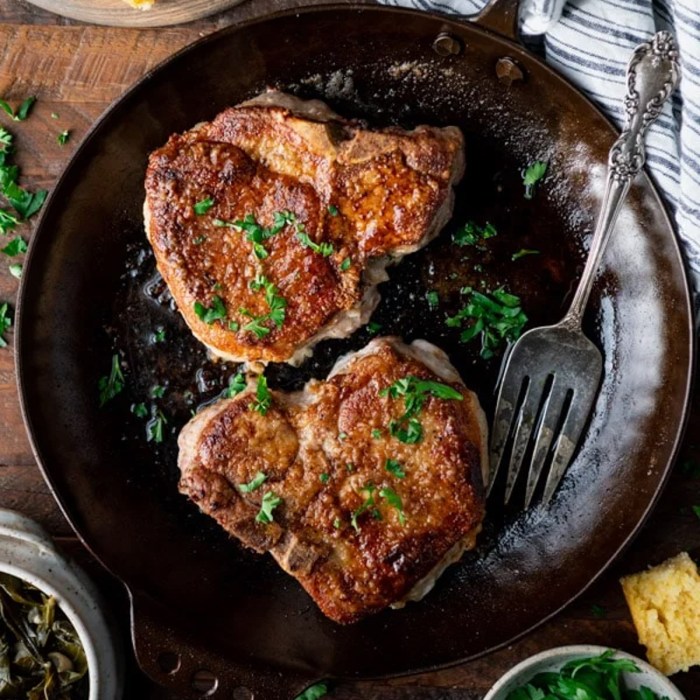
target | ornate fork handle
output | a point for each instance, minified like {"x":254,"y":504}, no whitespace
{"x":652,"y":75}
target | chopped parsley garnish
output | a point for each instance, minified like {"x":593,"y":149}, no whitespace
{"x":257,"y":234}
{"x":497,"y":316}
{"x":473,"y":234}
{"x":26,"y":204}
{"x":209,"y":314}
{"x":157,"y":392}
{"x":276,"y":303}
{"x":324,"y":478}
{"x":113,"y":384}
{"x":154,"y":427}
{"x":409,"y":431}
{"x":350,"y":467}
{"x":368,"y":504}
{"x":199,"y":240}
{"x":433,"y":299}
{"x":255,"y":483}
{"x":139,"y":410}
{"x":415,"y":391}
{"x":270,"y":501}
{"x":523,"y":252}
{"x":7,"y":221}
{"x":15,"y":270}
{"x":22,"y":112}
{"x":16,"y":246}
{"x":62,"y":138}
{"x":373,"y":327}
{"x":318,"y":690}
{"x":54,"y":115}
{"x":324,"y":249}
{"x":159,"y":334}
{"x":595,"y":678}
{"x":332,"y":210}
{"x":236,"y":384}
{"x":5,"y":323}
{"x":263,"y":397}
{"x":395,"y":468}
{"x":234,"y":326}
{"x":345,"y":265}
{"x":696,"y":510}
{"x":337,"y":524}
{"x":394,"y":500}
{"x":203,"y":206}
{"x":376,"y":433}
{"x":532,"y":175}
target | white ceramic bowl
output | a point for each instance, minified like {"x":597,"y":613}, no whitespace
{"x":27,"y":552}
{"x":554,"y":659}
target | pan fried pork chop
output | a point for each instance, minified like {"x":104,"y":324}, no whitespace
{"x":364,"y":487}
{"x":273,"y":224}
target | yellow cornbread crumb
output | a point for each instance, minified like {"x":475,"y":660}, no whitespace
{"x":141,"y":4}
{"x":665,"y":606}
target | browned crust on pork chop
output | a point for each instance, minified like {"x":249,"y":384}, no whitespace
{"x":374,"y":196}
{"x":321,"y":457}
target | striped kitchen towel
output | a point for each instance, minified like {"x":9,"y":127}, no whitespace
{"x":590,"y":42}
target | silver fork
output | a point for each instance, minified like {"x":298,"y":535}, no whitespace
{"x":551,"y":375}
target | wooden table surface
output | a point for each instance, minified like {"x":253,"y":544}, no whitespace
{"x":75,"y":71}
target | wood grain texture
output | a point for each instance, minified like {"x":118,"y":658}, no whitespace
{"x":76,"y":71}
{"x":116,"y":13}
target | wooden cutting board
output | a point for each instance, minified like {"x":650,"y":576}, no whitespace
{"x":117,"y":13}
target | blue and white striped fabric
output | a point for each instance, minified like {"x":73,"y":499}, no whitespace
{"x":590,"y":42}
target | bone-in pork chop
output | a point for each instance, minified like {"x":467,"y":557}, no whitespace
{"x":364,"y":487}
{"x":273,"y":223}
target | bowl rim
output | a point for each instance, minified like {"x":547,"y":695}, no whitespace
{"x":583,"y":650}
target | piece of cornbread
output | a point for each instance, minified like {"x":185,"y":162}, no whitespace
{"x":141,"y":4}
{"x":665,"y":606}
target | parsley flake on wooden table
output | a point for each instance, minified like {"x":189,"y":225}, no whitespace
{"x":5,"y":323}
{"x":22,"y":111}
{"x":495,"y":316}
{"x":15,"y":247}
{"x":25,"y":203}
{"x":62,"y":138}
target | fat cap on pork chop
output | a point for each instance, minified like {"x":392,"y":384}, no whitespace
{"x":273,"y":223}
{"x":362,"y":519}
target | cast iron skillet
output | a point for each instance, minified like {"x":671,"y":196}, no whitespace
{"x":199,"y":600}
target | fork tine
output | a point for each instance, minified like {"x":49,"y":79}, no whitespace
{"x":571,"y":430}
{"x":523,"y":431}
{"x":503,"y":418}
{"x":550,"y":417}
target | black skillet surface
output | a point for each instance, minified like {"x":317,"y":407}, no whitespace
{"x":90,"y":289}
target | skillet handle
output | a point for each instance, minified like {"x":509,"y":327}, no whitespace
{"x":175,"y":660}
{"x":500,"y":17}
